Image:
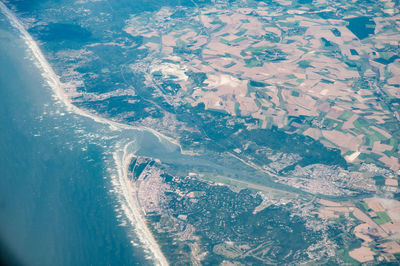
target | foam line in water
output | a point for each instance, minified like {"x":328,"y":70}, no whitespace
{"x":58,"y":87}
{"x":129,"y":205}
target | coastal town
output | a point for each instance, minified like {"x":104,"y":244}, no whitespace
{"x":369,"y":227}
{"x":273,"y":127}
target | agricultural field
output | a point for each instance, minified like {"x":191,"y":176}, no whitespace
{"x":302,"y":70}
{"x":276,"y":116}
{"x":332,"y":77}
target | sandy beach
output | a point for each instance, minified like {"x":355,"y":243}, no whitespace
{"x":58,"y":87}
{"x":130,"y":204}
{"x":131,"y":207}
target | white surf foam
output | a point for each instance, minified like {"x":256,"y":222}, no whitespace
{"x":120,"y":182}
{"x":58,"y":87}
{"x":130,"y":205}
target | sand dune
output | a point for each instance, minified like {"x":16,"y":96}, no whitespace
{"x":130,"y":206}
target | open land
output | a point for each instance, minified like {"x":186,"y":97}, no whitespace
{"x":293,"y":91}
{"x":278,"y":67}
{"x":305,"y":75}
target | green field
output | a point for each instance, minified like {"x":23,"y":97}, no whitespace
{"x":345,"y":115}
{"x":376,"y":136}
{"x":379,"y":180}
{"x":224,"y":41}
{"x":238,"y":39}
{"x":231,"y":64}
{"x":253,"y":62}
{"x":241,"y":32}
{"x":382,"y":218}
{"x":360,"y":123}
{"x":237,"y":108}
{"x":295,"y":93}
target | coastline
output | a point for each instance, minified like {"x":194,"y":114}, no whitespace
{"x":130,"y":205}
{"x":58,"y":87}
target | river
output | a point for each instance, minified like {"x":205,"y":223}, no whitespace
{"x":60,"y":203}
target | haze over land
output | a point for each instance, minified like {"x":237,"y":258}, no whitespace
{"x":278,"y":121}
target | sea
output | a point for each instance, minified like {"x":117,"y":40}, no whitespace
{"x":63,"y":183}
{"x":59,"y":197}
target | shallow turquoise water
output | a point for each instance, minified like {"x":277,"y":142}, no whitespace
{"x":55,"y":204}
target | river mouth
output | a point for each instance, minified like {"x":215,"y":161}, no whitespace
{"x":58,"y":205}
{"x":80,"y":162}
{"x":65,"y":190}
{"x":79,"y":201}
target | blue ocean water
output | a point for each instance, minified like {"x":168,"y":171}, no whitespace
{"x":59,"y":204}
{"x":55,"y":204}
